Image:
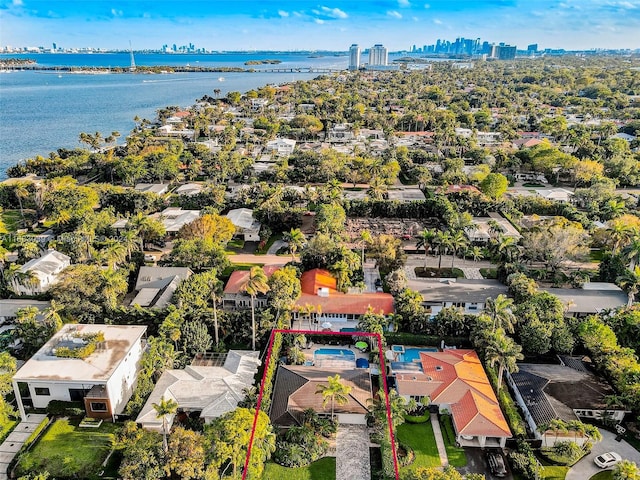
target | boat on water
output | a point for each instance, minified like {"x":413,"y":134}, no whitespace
{"x":221,"y":79}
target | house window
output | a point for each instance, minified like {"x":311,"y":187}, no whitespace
{"x":42,"y":391}
{"x":98,"y":407}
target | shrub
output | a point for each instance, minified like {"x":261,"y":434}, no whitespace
{"x":300,"y":447}
{"x":59,"y":408}
{"x":424,"y":418}
{"x":516,"y":423}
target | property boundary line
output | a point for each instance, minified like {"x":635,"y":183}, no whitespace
{"x":383,"y":373}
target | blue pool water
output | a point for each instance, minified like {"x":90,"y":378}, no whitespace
{"x":413,"y":354}
{"x":335,"y":353}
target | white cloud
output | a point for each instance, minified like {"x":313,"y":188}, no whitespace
{"x":627,"y":5}
{"x":116,"y":13}
{"x":283,"y":14}
{"x":404,"y":3}
{"x":415,"y":19}
{"x":394,"y":14}
{"x":437,"y":22}
{"x":319,"y":21}
{"x":17,"y":3}
{"x":334,"y":12}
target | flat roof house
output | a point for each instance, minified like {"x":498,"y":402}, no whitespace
{"x":468,"y":294}
{"x":104,"y":379}
{"x":156,"y":285}
{"x":456,"y":381}
{"x":211,"y":387}
{"x":591,"y":298}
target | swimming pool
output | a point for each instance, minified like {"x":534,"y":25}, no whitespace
{"x":334,"y":354}
{"x":413,"y":354}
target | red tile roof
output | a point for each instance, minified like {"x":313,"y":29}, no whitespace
{"x":239,"y":277}
{"x":338,"y":302}
{"x":457,"y":378}
{"x":181,"y":114}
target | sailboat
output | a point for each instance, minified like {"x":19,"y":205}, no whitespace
{"x":132,"y":68}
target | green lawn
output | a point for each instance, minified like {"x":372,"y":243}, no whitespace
{"x":323,"y":469}
{"x":554,"y":472}
{"x":65,"y":450}
{"x":11,"y":219}
{"x":7,"y":428}
{"x":434,"y":272}
{"x":419,"y":437}
{"x":456,"y":455}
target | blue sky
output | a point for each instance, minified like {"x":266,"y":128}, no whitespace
{"x":323,"y":24}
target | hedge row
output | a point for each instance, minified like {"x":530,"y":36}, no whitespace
{"x":509,"y":407}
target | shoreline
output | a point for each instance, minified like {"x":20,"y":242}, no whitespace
{"x":164,"y":69}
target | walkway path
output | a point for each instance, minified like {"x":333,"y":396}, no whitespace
{"x":585,"y":468}
{"x":352,"y":453}
{"x":16,"y":439}
{"x":275,"y":246}
{"x":437,"y":433}
{"x":473,"y":273}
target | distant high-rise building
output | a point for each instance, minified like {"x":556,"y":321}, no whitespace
{"x":55,"y":47}
{"x":378,"y":55}
{"x":507,"y":52}
{"x":533,"y":48}
{"x":354,"y":57}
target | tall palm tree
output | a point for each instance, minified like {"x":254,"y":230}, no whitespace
{"x":499,"y":309}
{"x":113,"y":253}
{"x":340,"y":270}
{"x":457,"y":241}
{"x":334,"y":392}
{"x":21,"y":193}
{"x":216,"y":288}
{"x":130,"y":240}
{"x":256,"y":283}
{"x":475,"y":253}
{"x":163,"y":410}
{"x":365,"y":238}
{"x":441,"y":241}
{"x":504,"y":352}
{"x":630,"y":281}
{"x":296,"y":239}
{"x":425,"y":240}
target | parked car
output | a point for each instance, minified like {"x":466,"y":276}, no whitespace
{"x":607,"y":460}
{"x":496,"y":464}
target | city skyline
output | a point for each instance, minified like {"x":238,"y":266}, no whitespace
{"x":308,"y":25}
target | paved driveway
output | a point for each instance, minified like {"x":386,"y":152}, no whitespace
{"x":477,"y":463}
{"x":585,"y":468}
{"x":16,"y":439}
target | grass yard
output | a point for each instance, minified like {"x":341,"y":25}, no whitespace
{"x":65,"y":450}
{"x":433,"y":272}
{"x":420,"y":438}
{"x":491,"y":273}
{"x":456,"y":455}
{"x":554,"y":472}
{"x":7,"y":427}
{"x":11,"y":219}
{"x":323,"y":469}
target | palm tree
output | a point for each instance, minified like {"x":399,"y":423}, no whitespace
{"x":475,"y":253}
{"x":630,"y":281}
{"x":499,"y":309}
{"x":631,"y":252}
{"x":504,"y":352}
{"x":365,"y":238}
{"x":130,"y":240}
{"x":626,"y":470}
{"x":334,"y":392}
{"x":216,"y":287}
{"x":21,"y":192}
{"x":425,"y":240}
{"x":441,"y":241}
{"x":457,"y":241}
{"x":341,"y":270}
{"x":52,"y":316}
{"x":296,"y":239}
{"x":256,"y":283}
{"x":163,"y":410}
{"x":113,"y":253}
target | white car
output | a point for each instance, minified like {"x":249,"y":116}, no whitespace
{"x":607,"y":460}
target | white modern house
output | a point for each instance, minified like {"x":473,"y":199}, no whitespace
{"x":103,"y":380}
{"x":209,"y":387}
{"x":43,"y":273}
{"x":281,"y":146}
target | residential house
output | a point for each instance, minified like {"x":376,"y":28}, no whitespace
{"x":591,"y":298}
{"x":157,"y":188}
{"x":234,"y":295}
{"x":281,"y":146}
{"x":456,"y":381}
{"x":156,"y":285}
{"x":468,"y":294}
{"x":9,"y":308}
{"x":556,"y":194}
{"x":104,"y":380}
{"x":295,"y":389}
{"x":246,"y":225}
{"x":568,"y":391}
{"x":406,"y":194}
{"x":258,"y":104}
{"x":210,"y":387}
{"x":189,"y":189}
{"x":43,"y":273}
{"x":483,"y":231}
{"x":319,"y":290}
{"x":340,"y":133}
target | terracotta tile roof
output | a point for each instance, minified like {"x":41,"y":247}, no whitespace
{"x":239,"y":277}
{"x":338,"y":302}
{"x":182,"y":114}
{"x":457,"y":378}
{"x":312,"y":280}
{"x":295,"y":391}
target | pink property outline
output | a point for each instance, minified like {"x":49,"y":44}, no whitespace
{"x":311,"y":332}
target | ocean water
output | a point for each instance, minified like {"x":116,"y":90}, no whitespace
{"x":41,"y":111}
